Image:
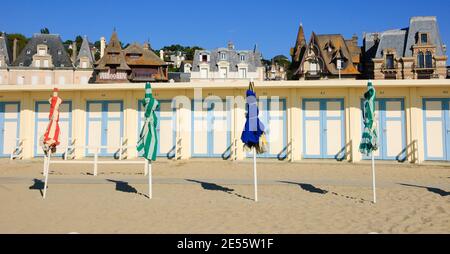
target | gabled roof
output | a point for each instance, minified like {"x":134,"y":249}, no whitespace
{"x":143,"y":55}
{"x":113,"y":55}
{"x":56,"y":49}
{"x":4,"y":50}
{"x":341,"y":50}
{"x":300,"y":45}
{"x":85,"y":51}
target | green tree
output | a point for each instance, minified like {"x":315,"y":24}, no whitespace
{"x":45,"y":31}
{"x":21,"y":41}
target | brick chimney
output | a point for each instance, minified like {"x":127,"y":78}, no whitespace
{"x":74,"y":52}
{"x":15,"y":49}
{"x":102,"y":46}
{"x":161,"y":54}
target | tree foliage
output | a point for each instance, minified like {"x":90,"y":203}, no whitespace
{"x":45,"y":30}
{"x":21,"y":41}
{"x":187,"y":50}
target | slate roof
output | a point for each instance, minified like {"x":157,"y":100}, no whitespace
{"x":392,"y":39}
{"x":424,"y":25}
{"x":4,"y":50}
{"x":252,"y":59}
{"x":60,"y":57}
{"x":404,"y":39}
{"x":85,"y":51}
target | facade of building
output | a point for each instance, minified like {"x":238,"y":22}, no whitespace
{"x":327,"y":56}
{"x":415,"y":52}
{"x":275,"y":72}
{"x":44,"y":60}
{"x":227,"y":64}
{"x":135,"y":63}
{"x":304,"y":119}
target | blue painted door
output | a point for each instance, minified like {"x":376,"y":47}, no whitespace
{"x":323,"y":129}
{"x":272,"y":114}
{"x":436,"y":129}
{"x":104,"y":126}
{"x":166,"y":129}
{"x":390,"y":119}
{"x":9,"y":127}
{"x":211,"y":129}
{"x":42,"y":109}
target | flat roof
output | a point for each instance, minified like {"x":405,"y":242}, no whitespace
{"x":234,"y":85}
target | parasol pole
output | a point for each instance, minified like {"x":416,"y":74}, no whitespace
{"x":255,"y":176}
{"x":374,"y":180}
{"x":255,"y":173}
{"x":150,"y":187}
{"x":46,"y":170}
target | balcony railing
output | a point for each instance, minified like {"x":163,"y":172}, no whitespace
{"x":425,"y":67}
{"x":389,"y":67}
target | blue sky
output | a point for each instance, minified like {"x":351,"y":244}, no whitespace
{"x":272,"y":24}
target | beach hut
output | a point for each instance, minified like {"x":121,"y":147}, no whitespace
{"x":211,"y":128}
{"x":104,"y":126}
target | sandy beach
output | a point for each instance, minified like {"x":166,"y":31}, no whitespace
{"x":214,"y":196}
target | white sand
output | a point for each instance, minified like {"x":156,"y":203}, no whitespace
{"x":78,"y":202}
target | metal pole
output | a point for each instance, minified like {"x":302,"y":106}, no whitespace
{"x":95,"y":162}
{"x":374,"y":180}
{"x":46,"y":172}
{"x":150,"y":194}
{"x":146,"y":168}
{"x":255,"y":177}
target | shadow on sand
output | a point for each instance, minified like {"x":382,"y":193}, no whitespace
{"x":312,"y":189}
{"x":437,"y":191}
{"x":308,"y":187}
{"x":126,"y":187}
{"x":215,"y":187}
{"x":38,"y":185}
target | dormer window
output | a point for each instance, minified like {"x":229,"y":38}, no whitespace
{"x":223,"y":56}
{"x":204,"y":58}
{"x":389,"y":61}
{"x":59,"y":52}
{"x":42,"y":50}
{"x":242,"y":58}
{"x":28,"y":51}
{"x":424,"y":39}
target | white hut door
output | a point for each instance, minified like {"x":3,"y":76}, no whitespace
{"x":436,"y":129}
{"x":219,"y":135}
{"x":9,"y":127}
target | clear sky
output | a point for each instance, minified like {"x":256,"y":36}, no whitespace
{"x":272,"y":24}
